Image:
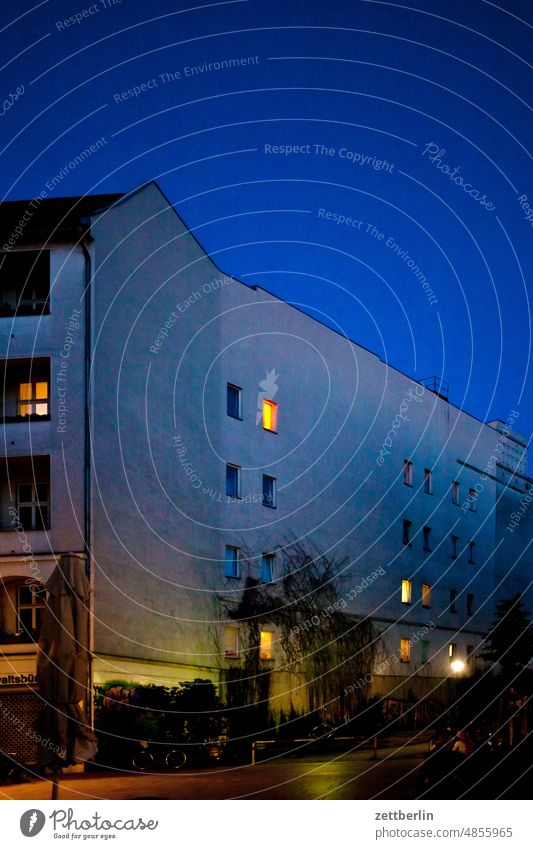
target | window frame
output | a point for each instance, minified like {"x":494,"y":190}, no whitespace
{"x":238,"y":495}
{"x":273,"y":480}
{"x":233,"y":652}
{"x":33,"y":606}
{"x":407,"y":591}
{"x":267,"y":557}
{"x":453,"y":601}
{"x":235,"y":561}
{"x":454,"y":541}
{"x":428,"y":481}
{"x":472,"y":551}
{"x":406,"y":531}
{"x":238,"y":390}
{"x":405,"y":650}
{"x":425,"y":652}
{"x":33,"y":401}
{"x":266,"y":654}
{"x":456,"y":492}
{"x":426,"y":537}
{"x":472,"y":499}
{"x":34,"y":505}
{"x":408,"y":473}
{"x":425,"y":595}
{"x":273,"y":407}
{"x":470,"y":604}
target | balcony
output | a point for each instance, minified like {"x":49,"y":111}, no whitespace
{"x":24,"y":283}
{"x":25,"y":395}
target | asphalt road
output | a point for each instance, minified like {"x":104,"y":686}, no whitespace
{"x":335,"y":776}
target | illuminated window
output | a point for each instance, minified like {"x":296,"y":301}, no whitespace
{"x":472,"y":498}
{"x":428,"y":482}
{"x":424,"y":651}
{"x":470,"y":604}
{"x":30,"y":605}
{"x":426,"y":595}
{"x":269,"y":491}
{"x":270,"y":416}
{"x":407,"y":532}
{"x":408,"y":472}
{"x":233,"y":480}
{"x":471,"y":552}
{"x":455,"y":492}
{"x":265,"y":648}
{"x":232,"y":566}
{"x":231,"y":642}
{"x":454,"y":541}
{"x":453,"y":599}
{"x":267,"y":568}
{"x":407,"y":588}
{"x":427,"y":538}
{"x":452,"y":650}
{"x":234,"y":395}
{"x":32,"y":505}
{"x":405,"y":650}
{"x":33,"y":399}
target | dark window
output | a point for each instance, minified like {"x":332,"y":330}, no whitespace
{"x":24,"y":283}
{"x":471,"y":552}
{"x":455,"y":492}
{"x":234,"y":401}
{"x":269,"y":491}
{"x":455,"y":540}
{"x":408,"y":472}
{"x":267,"y":568}
{"x":32,"y":506}
{"x":428,"y":483}
{"x":407,"y":532}
{"x":453,"y":598}
{"x":424,"y":651}
{"x":427,"y":538}
{"x":233,"y":480}
{"x":470,"y":604}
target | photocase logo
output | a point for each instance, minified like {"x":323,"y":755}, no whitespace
{"x":32,"y":822}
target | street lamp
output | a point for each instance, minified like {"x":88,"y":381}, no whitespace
{"x":457,"y":666}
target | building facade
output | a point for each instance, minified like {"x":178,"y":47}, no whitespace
{"x":185,"y":430}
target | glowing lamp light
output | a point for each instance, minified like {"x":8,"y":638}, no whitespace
{"x":457,"y":665}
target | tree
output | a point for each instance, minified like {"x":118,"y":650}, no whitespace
{"x":510,"y":639}
{"x":331,"y":651}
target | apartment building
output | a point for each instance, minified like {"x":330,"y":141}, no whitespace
{"x":183,"y":430}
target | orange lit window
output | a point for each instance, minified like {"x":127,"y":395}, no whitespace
{"x":265,"y":648}
{"x":426,"y":595}
{"x":405,"y":650}
{"x":270,"y":415}
{"x":33,"y":399}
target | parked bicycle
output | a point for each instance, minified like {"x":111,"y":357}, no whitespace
{"x":150,"y":754}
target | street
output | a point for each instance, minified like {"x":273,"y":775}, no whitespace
{"x":352,"y":775}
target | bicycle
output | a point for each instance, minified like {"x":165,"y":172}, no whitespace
{"x":149,"y":754}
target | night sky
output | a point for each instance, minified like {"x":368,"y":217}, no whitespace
{"x":269,"y":124}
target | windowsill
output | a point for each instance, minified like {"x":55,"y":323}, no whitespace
{"x":428,"y":550}
{"x":21,"y":419}
{"x":238,"y":418}
{"x":472,"y":562}
{"x":12,"y":529}
{"x":234,"y":497}
{"x":407,"y":603}
{"x":233,"y":577}
{"x":408,"y":484}
{"x":426,"y":606}
{"x":270,"y":506}
{"x":269,"y":430}
{"x":408,"y":544}
{"x":453,"y":557}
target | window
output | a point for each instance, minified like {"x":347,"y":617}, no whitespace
{"x":407,"y":532}
{"x":428,"y":483}
{"x":426,"y":595}
{"x":471,"y":552}
{"x":265,"y":646}
{"x":453,"y":599}
{"x":405,"y":650}
{"x":455,"y":492}
{"x":24,"y":283}
{"x":270,"y":416}
{"x":424,"y":651}
{"x":407,"y":472}
{"x":33,"y":399}
{"x":454,"y":541}
{"x":232,"y":566}
{"x":234,"y":408}
{"x":472,"y":499}
{"x":469,"y":651}
{"x":427,"y":538}
{"x":231,"y":642}
{"x":267,"y":568}
{"x":452,"y":650}
{"x":269,"y":491}
{"x":233,"y":480}
{"x":470,"y":604}
{"x":32,"y":506}
{"x":30,"y":604}
{"x":406,"y":592}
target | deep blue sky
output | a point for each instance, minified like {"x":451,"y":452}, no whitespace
{"x":379,"y":79}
